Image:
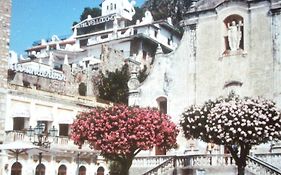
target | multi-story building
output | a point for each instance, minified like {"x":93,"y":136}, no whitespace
{"x":227,"y":46}
{"x":43,"y":93}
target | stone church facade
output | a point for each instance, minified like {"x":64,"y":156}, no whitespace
{"x":227,"y":46}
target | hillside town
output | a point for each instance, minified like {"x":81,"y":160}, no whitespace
{"x":121,"y":96}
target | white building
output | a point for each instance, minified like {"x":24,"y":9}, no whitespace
{"x":227,"y":46}
{"x":54,"y":83}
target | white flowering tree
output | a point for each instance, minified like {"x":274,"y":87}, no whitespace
{"x":238,"y":123}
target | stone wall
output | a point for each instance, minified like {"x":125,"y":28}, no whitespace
{"x":5,"y":15}
{"x":276,"y":35}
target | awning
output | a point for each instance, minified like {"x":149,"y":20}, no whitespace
{"x":45,"y":117}
{"x":65,"y":120}
{"x":17,"y":145}
{"x":20,"y":113}
{"x":20,"y":109}
{"x":44,"y":113}
{"x":65,"y":116}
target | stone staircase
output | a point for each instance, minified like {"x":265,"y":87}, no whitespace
{"x":201,"y":165}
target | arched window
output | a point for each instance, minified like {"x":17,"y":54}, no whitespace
{"x":62,"y":170}
{"x":16,"y":169}
{"x":100,"y":171}
{"x":162,"y":104}
{"x":82,"y":170}
{"x":40,"y":169}
{"x":82,"y":89}
{"x":234,"y":37}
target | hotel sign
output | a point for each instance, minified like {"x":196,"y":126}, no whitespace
{"x":95,"y":21}
{"x":39,"y":70}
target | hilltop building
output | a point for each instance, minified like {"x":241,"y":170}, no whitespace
{"x":43,"y":92}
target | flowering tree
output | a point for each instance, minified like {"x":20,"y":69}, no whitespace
{"x":121,"y":132}
{"x":237,"y":123}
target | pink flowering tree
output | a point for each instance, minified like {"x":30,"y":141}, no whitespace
{"x":238,"y":123}
{"x":121,"y":132}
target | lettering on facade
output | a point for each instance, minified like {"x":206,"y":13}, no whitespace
{"x":38,"y":71}
{"x":96,"y":21}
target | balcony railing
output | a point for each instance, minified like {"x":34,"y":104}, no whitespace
{"x":13,"y":135}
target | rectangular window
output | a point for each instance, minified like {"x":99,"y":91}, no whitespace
{"x":83,"y":42}
{"x":18,"y":124}
{"x":104,"y":36}
{"x":63,"y":129}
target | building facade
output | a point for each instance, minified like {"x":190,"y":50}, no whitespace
{"x":56,"y":81}
{"x":227,"y":46}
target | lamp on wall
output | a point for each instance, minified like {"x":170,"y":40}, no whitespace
{"x":42,"y":136}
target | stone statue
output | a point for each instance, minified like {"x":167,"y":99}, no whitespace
{"x":115,"y":27}
{"x":234,"y":35}
{"x":148,"y":18}
{"x":51,"y":60}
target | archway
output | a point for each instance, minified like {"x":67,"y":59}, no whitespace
{"x":62,"y":170}
{"x":100,"y":171}
{"x":40,"y":169}
{"x":82,"y":170}
{"x":16,"y":169}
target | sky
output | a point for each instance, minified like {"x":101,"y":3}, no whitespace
{"x":33,"y":20}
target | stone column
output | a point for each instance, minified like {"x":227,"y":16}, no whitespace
{"x":276,"y":36}
{"x":5,"y":16}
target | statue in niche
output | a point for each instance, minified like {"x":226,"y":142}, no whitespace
{"x":234,"y":35}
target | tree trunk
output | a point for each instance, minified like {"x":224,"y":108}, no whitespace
{"x":240,"y":158}
{"x":125,"y":166}
{"x":241,"y":170}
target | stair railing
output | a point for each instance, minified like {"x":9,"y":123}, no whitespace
{"x":258,"y":166}
{"x":166,"y":166}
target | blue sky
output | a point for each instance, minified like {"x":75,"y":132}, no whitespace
{"x":33,"y":20}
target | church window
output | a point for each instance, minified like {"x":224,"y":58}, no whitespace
{"x":114,"y":6}
{"x":111,"y":6}
{"x":234,"y":36}
{"x":162,"y":104}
